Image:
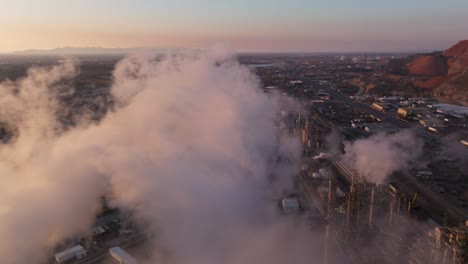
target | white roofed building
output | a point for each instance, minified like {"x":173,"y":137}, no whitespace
{"x":121,"y":256}
{"x":77,"y":252}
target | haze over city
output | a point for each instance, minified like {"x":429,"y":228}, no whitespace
{"x":264,"y":25}
{"x":233,"y":132}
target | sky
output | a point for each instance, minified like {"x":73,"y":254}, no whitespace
{"x":247,"y":25}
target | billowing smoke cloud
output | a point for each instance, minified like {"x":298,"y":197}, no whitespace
{"x":38,"y":203}
{"x":380,"y":155}
{"x":333,"y":142}
{"x":191,"y":149}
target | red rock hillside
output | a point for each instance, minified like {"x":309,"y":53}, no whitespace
{"x":457,"y":57}
{"x":445,"y":73}
{"x":429,"y":65}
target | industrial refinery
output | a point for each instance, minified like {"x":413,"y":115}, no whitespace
{"x":398,"y":219}
{"x":215,"y":157}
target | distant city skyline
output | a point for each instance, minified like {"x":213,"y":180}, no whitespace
{"x":248,"y":26}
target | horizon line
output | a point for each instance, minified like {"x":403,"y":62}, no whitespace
{"x":53,"y":51}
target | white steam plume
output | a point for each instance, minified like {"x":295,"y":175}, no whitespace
{"x":190,"y":149}
{"x":38,"y":203}
{"x":380,"y":155}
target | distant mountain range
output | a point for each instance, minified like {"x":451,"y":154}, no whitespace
{"x":445,"y":73}
{"x":94,"y":51}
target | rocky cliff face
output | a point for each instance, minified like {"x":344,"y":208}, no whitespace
{"x":455,"y":89}
{"x":446,"y":73}
{"x":457,"y":57}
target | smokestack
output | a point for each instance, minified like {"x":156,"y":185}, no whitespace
{"x":327,"y":241}
{"x":331,"y":198}
{"x":353,"y":181}
{"x":299,"y":122}
{"x":409,"y":208}
{"x":392,"y":208}
{"x":330,"y":212}
{"x":371,"y":209}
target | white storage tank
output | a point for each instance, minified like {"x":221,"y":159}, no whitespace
{"x":75,"y":252}
{"x":121,"y":256}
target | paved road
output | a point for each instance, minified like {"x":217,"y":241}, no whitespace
{"x":384,"y":116}
{"x":360,"y":91}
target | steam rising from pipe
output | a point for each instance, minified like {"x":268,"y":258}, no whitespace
{"x":378,"y":156}
{"x":323,"y":155}
{"x":191,"y":149}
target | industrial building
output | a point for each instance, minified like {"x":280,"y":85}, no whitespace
{"x":381,"y":106}
{"x":431,"y":121}
{"x":412,"y":111}
{"x":290,"y":205}
{"x":76,"y":252}
{"x":121,"y":256}
{"x":389,"y":100}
